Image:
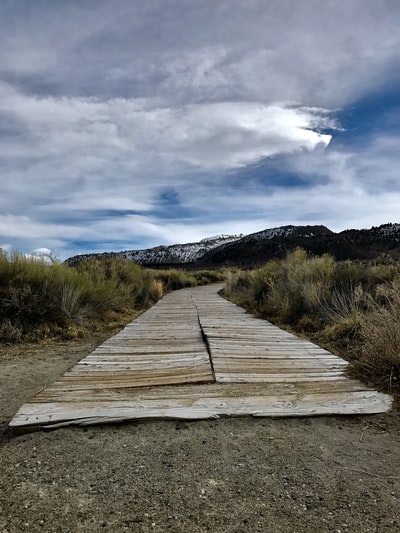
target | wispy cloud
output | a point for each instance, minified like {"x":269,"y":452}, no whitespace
{"x":210,"y":135}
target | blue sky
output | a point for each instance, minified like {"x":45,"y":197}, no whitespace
{"x":130,"y":124}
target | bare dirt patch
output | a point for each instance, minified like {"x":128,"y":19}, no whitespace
{"x":325,"y":474}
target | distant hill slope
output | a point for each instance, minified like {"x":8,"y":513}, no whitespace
{"x":175,"y":254}
{"x":256,"y":248}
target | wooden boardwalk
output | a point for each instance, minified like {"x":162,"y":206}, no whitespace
{"x":194,"y":355}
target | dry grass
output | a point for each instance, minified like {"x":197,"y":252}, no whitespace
{"x":378,"y":354}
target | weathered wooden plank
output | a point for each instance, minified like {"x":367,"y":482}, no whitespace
{"x":48,"y":414}
{"x":294,"y":356}
{"x":279,"y":378}
{"x":157,"y":374}
{"x":156,"y":366}
{"x":139,"y":357}
{"x":213,"y":390}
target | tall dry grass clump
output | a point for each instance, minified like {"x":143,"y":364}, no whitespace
{"x":285,"y":290}
{"x":377,"y":356}
{"x":174,"y":278}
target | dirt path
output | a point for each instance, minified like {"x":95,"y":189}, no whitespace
{"x":325,"y":474}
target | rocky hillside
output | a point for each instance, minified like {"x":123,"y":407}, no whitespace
{"x":175,"y":254}
{"x":250,"y":250}
{"x":349,"y":244}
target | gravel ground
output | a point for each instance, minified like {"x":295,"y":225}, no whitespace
{"x":235,"y":475}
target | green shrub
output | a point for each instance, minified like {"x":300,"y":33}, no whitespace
{"x":174,"y":279}
{"x":204,"y":277}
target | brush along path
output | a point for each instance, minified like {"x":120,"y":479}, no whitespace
{"x":226,"y":363}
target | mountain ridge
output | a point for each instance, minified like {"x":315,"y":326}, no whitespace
{"x":258,"y":247}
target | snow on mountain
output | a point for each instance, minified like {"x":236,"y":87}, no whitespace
{"x":170,"y":255}
{"x":390,"y":230}
{"x":221,"y":238}
{"x":271,"y":233}
{"x":260,"y":246}
{"x":178,"y":253}
{"x":288,"y":231}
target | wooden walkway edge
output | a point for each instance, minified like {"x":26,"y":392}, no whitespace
{"x":195,"y":355}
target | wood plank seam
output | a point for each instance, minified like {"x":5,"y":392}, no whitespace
{"x":205,"y":339}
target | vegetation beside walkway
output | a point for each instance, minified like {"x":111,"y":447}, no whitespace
{"x":40,"y":301}
{"x":351,"y":308}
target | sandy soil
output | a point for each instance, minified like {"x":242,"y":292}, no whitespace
{"x":325,"y":474}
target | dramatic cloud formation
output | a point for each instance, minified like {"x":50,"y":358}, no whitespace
{"x":131,"y":124}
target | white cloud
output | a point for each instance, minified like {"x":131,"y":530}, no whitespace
{"x":229,"y":135}
{"x":212,"y":135}
{"x":42,"y":251}
{"x":20,"y":227}
{"x":320,"y":53}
